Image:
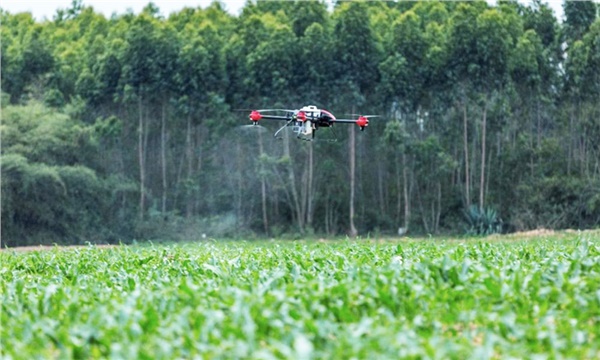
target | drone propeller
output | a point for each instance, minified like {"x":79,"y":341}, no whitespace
{"x":283,"y":110}
{"x":264,"y":110}
{"x":366,"y":116}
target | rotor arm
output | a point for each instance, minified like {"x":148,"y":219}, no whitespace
{"x":275,"y":117}
{"x":344,"y":121}
{"x":362,"y":122}
{"x":255,"y":116}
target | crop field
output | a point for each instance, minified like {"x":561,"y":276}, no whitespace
{"x":506,"y":297}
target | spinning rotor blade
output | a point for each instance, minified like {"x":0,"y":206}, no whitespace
{"x":367,"y":116}
{"x":283,"y":110}
{"x":263,"y":110}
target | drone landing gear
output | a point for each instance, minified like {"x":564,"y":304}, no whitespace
{"x":302,"y":134}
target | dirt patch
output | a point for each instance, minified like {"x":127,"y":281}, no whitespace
{"x":548,"y":232}
{"x":536,"y":232}
{"x":47,"y":247}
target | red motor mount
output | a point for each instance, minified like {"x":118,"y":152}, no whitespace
{"x":255,"y":116}
{"x":362,"y":122}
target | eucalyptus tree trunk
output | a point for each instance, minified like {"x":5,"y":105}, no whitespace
{"x":310,"y":187}
{"x":436,"y":225}
{"x":570,"y":138}
{"x":331,"y":211}
{"x":352,"y":153}
{"x":303,"y":191}
{"x":539,"y":121}
{"x":239,"y":183}
{"x":263,"y":186}
{"x":380,"y":191}
{"x":306,"y":190}
{"x":163,"y":160}
{"x":141,"y":161}
{"x":422,"y":210}
{"x":199,"y":194}
{"x":482,"y":175}
{"x":399,"y":190}
{"x":466,"y":150}
{"x":406,"y":193}
{"x":296,"y":209}
{"x":189,"y":152}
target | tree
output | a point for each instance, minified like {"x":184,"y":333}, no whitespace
{"x":398,"y":140}
{"x":357,"y":53}
{"x":355,"y":69}
{"x":480,"y":44}
{"x":493,"y":50}
{"x":500,"y":101}
{"x":50,"y":193}
{"x":540,"y":18}
{"x":579,"y":16}
{"x":25,"y":55}
{"x":306,"y":13}
{"x":147,"y":61}
{"x":462,"y":62}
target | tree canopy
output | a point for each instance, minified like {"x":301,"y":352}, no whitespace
{"x":126,"y":127}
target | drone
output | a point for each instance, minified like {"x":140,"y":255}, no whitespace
{"x":306,"y":120}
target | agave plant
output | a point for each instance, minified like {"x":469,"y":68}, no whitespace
{"x":482,"y":221}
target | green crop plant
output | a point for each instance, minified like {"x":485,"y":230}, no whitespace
{"x":440,"y":299}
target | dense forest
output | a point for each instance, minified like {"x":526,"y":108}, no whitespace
{"x":124,"y":128}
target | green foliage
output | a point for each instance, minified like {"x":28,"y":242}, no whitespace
{"x":270,"y":64}
{"x":49,"y":194}
{"x":525,"y":65}
{"x":145,"y":101}
{"x":49,"y":204}
{"x":396,"y":136}
{"x":45,"y":136}
{"x":440,"y":298}
{"x":541,"y":19}
{"x":357,"y":53}
{"x":578,"y":18}
{"x":306,"y":13}
{"x":482,"y":221}
{"x":560,"y":202}
{"x":26,"y":55}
